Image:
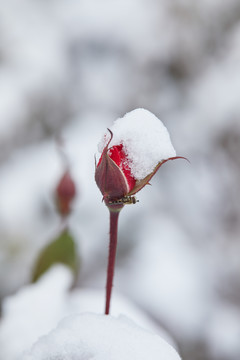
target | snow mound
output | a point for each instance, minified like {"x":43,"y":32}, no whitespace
{"x":145,"y":141}
{"x":100,"y":337}
{"x":33,"y":311}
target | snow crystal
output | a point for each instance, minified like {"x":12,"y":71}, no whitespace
{"x":145,"y":140}
{"x":100,"y":337}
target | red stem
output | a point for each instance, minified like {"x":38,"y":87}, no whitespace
{"x":114,"y":214}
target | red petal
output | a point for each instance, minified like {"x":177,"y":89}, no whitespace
{"x":117,"y":154}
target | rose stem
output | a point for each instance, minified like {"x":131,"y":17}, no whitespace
{"x":114,"y":214}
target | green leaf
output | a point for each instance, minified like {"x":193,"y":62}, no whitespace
{"x":60,"y":250}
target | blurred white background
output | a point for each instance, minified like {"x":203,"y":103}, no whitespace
{"x":69,"y":68}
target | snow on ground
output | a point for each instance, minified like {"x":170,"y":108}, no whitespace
{"x":100,"y":337}
{"x":32,"y":312}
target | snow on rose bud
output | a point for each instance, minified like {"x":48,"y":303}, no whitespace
{"x":129,"y":164}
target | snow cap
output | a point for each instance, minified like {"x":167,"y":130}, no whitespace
{"x":145,"y":141}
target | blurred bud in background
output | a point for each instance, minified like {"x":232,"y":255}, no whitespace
{"x":65,"y":194}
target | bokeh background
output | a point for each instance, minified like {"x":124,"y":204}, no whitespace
{"x":67,"y":70}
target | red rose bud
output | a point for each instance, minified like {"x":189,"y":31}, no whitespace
{"x":65,"y":194}
{"x":113,"y":174}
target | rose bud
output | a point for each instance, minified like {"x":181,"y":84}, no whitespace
{"x":113,"y":175}
{"x":65,"y":193}
{"x":140,"y":144}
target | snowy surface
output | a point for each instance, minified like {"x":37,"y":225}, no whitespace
{"x":145,"y":141}
{"x":36,"y":309}
{"x":33,"y":312}
{"x":100,"y":337}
